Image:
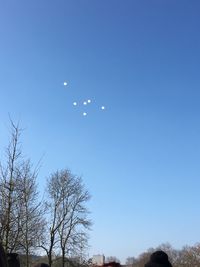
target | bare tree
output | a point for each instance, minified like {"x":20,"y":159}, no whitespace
{"x":112,"y":259}
{"x":31,"y":212}
{"x":130,"y":261}
{"x":142,"y":259}
{"x":20,"y":213}
{"x":68,"y":214}
{"x":189,"y":256}
{"x":9,"y":219}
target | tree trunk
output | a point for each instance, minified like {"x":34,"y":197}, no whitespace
{"x":63,"y":258}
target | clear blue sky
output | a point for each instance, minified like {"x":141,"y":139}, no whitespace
{"x":140,"y":158}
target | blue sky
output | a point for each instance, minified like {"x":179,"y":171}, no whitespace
{"x":140,"y":157}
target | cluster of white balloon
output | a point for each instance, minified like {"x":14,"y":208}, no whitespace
{"x":84,"y":103}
